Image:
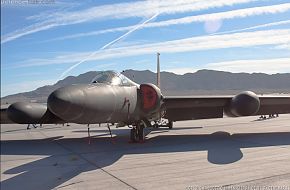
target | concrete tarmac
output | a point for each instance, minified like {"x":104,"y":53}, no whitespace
{"x":228,"y":153}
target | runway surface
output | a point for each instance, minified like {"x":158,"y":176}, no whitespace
{"x":228,"y":153}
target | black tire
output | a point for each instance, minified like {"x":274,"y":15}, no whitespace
{"x":170,"y":124}
{"x":133,"y":135}
{"x":155,"y":126}
{"x":141,"y":136}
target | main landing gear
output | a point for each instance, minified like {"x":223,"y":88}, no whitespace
{"x":170,"y":124}
{"x":137,"y":132}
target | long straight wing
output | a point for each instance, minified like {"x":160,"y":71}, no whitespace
{"x":201,"y":107}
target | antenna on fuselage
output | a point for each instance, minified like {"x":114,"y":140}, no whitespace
{"x":158,"y":70}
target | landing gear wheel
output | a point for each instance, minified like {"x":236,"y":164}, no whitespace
{"x":133,"y":134}
{"x":137,"y":133}
{"x":155,"y":126}
{"x":141,"y":133}
{"x":170,"y":124}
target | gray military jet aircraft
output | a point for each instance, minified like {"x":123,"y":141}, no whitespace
{"x":113,"y":98}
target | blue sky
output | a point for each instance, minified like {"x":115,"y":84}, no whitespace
{"x":51,"y":39}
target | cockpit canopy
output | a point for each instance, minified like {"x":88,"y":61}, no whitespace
{"x":113,"y":78}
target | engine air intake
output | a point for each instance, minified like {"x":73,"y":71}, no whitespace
{"x":150,"y":97}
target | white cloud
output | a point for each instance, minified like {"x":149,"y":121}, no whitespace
{"x":245,"y":39}
{"x":225,"y":15}
{"x":26,"y":31}
{"x":269,"y":66}
{"x":215,"y":18}
{"x":182,"y":70}
{"x":283,"y":46}
{"x":119,"y":11}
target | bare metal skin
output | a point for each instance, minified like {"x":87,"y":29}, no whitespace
{"x":94,"y":103}
{"x":244,"y":104}
{"x":31,"y":113}
{"x":26,"y":112}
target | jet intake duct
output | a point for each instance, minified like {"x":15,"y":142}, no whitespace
{"x":244,"y":104}
{"x":150,"y":98}
{"x":30,"y":113}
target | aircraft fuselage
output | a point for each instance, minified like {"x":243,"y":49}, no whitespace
{"x":95,"y":103}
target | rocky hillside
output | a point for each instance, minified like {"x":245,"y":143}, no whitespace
{"x":205,"y":82}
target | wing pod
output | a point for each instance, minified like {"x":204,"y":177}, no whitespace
{"x":31,"y":113}
{"x":151,"y":99}
{"x":244,"y":104}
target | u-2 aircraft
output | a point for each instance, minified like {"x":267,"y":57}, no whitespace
{"x":113,"y":98}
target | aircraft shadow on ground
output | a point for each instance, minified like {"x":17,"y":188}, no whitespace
{"x":66,"y":158}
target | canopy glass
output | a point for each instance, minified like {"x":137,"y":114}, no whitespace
{"x":113,"y":78}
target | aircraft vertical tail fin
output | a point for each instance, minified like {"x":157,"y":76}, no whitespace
{"x":158,"y":70}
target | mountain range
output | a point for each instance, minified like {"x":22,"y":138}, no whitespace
{"x":202,"y":82}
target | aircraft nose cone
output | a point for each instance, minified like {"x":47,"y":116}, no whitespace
{"x":59,"y":101}
{"x":66,"y":102}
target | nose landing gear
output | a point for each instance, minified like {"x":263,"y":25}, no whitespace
{"x":137,"y":133}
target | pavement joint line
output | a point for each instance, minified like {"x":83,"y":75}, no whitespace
{"x":252,"y":180}
{"x":226,"y":125}
{"x":240,"y":123}
{"x":11,"y":131}
{"x":92,"y":163}
{"x":258,"y":143}
{"x":22,"y":159}
{"x":73,"y":183}
{"x":169,"y":163}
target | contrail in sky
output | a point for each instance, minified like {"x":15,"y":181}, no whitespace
{"x":107,"y":45}
{"x":254,"y":27}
